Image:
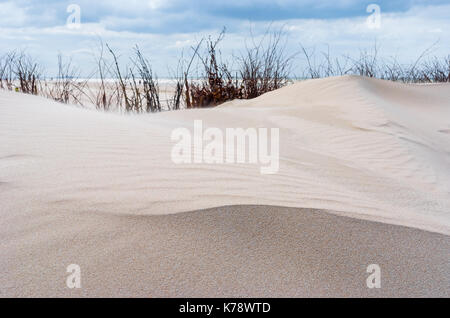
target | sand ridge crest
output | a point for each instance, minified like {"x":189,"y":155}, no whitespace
{"x":348,"y":144}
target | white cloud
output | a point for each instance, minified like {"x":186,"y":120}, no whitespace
{"x":12,"y":15}
{"x":403,"y":34}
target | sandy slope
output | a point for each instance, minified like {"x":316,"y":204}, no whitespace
{"x":364,"y":148}
{"x":245,"y":251}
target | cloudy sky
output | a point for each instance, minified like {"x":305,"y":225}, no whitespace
{"x":166,"y":28}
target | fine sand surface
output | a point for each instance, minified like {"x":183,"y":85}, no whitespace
{"x":257,"y":251}
{"x":364,"y":167}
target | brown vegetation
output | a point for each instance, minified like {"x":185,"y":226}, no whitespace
{"x":262,"y":67}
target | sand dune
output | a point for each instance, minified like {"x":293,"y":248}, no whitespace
{"x":99,"y":189}
{"x":237,"y":251}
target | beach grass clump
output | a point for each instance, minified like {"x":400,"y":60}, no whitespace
{"x":66,"y":87}
{"x":216,"y":85}
{"x":27,"y":72}
{"x":369,"y":64}
{"x":7,"y":70}
{"x":264,"y":66}
{"x":150,"y":100}
{"x":436,"y":70}
{"x":261,"y":68}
